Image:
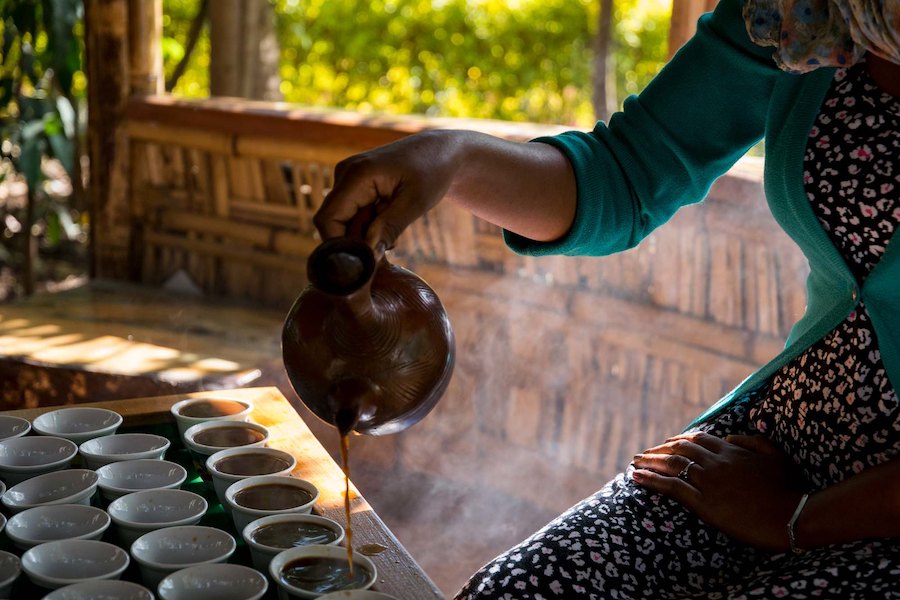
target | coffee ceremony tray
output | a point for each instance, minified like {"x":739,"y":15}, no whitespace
{"x":398,"y":573}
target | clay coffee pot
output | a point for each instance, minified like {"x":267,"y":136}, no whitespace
{"x":367,"y":345}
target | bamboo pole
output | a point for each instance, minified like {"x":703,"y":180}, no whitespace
{"x":145,"y":46}
{"x":106,"y":51}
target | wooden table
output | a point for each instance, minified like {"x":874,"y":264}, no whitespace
{"x":398,"y":573}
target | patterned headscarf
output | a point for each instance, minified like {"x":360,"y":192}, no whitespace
{"x":809,"y":34}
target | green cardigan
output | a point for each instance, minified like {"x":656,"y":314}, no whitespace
{"x":718,"y":96}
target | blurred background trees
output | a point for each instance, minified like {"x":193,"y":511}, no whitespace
{"x":556,"y":61}
{"x":42,"y":90}
{"x":519,"y":60}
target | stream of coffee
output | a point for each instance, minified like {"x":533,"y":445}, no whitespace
{"x":345,"y":463}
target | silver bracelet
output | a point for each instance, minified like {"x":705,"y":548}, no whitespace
{"x":792,"y":539}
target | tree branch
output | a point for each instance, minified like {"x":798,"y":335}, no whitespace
{"x":191,"y":43}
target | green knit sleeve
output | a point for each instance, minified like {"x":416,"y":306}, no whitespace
{"x":703,"y":111}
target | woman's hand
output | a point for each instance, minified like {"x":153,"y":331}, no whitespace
{"x":393,"y":185}
{"x":527,"y":188}
{"x":738,"y":484}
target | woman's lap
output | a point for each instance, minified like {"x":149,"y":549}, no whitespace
{"x":625,"y":542}
{"x":622,"y":542}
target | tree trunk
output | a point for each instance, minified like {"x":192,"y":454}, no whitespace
{"x":244,"y":50}
{"x":604,"y":94}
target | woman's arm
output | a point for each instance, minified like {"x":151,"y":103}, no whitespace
{"x":742,"y":486}
{"x":525,"y":188}
{"x":866,"y":505}
{"x":621,"y":180}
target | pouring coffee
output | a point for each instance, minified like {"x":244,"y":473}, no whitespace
{"x":367,"y":346}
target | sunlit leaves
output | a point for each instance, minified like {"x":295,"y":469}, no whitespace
{"x":523,"y":60}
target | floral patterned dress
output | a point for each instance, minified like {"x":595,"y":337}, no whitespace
{"x":832,"y":409}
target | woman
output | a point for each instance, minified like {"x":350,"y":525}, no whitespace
{"x":790,"y":485}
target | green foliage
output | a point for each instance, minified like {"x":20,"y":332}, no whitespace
{"x":41,"y":86}
{"x":519,"y":60}
{"x":40,"y":82}
{"x":177,"y":16}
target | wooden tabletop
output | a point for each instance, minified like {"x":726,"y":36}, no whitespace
{"x":398,"y":573}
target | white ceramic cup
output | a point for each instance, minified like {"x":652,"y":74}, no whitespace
{"x":49,"y":523}
{"x":64,"y":562}
{"x":262,"y":553}
{"x":77,"y":423}
{"x":214,"y":582}
{"x":10,"y":569}
{"x":138,"y":513}
{"x":29,"y":456}
{"x":243,"y":515}
{"x":127,"y":476}
{"x":13,"y":427}
{"x":286,"y":590}
{"x":126,"y":446}
{"x":75,"y":486}
{"x":222,"y":479}
{"x":105,"y":589}
{"x":183,"y":421}
{"x":164,"y":551}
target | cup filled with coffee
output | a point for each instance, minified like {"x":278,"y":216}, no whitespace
{"x":311,"y":571}
{"x":272,"y":535}
{"x":192,"y":411}
{"x":233,"y":464}
{"x":205,"y":439}
{"x":265,"y":495}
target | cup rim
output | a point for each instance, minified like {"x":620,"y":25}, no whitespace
{"x":191,"y":431}
{"x":113,"y":583}
{"x":105,"y":486}
{"x":196,"y":529}
{"x":175,"y":409}
{"x":239,"y":485}
{"x":238,"y":450}
{"x":40,"y":426}
{"x":16,"y":572}
{"x":73,"y":498}
{"x":129,"y":524}
{"x":118,"y":557}
{"x":38,"y":439}
{"x":217,"y":566}
{"x":18,"y":539}
{"x":287,"y":518}
{"x":25,"y":431}
{"x":86,"y":450}
{"x":282,"y":558}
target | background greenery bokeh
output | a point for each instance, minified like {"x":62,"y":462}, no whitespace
{"x":519,"y":60}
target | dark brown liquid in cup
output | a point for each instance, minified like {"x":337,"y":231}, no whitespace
{"x":272,"y":496}
{"x":251,"y":464}
{"x":289,"y":535}
{"x":322,"y":575}
{"x":211,"y":409}
{"x":228,"y":437}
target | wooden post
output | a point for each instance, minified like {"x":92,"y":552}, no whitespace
{"x":145,"y":48}
{"x":106,"y":52}
{"x":684,"y":21}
